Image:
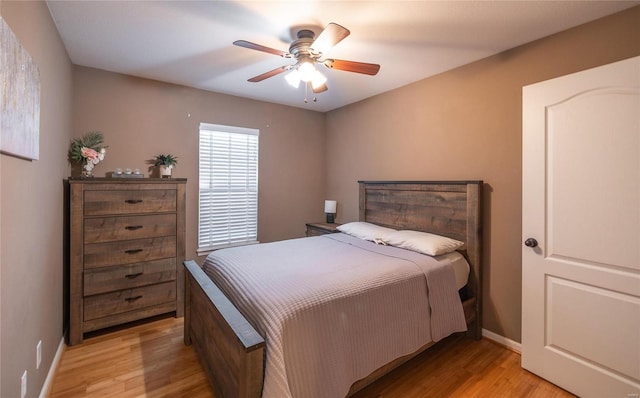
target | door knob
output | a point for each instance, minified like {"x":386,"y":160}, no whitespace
{"x":530,"y":242}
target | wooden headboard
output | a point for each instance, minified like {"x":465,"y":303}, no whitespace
{"x":447,"y":208}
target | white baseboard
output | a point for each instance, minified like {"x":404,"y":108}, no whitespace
{"x":52,"y":370}
{"x":513,"y":345}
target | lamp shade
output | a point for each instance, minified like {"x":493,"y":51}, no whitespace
{"x":293,"y":78}
{"x":306,"y":71}
{"x":318,"y":80}
{"x":330,"y":206}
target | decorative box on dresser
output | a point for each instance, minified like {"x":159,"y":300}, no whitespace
{"x":127,"y":245}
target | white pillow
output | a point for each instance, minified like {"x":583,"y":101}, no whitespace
{"x":423,"y":242}
{"x":366,"y":231}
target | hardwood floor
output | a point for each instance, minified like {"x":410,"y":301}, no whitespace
{"x":460,"y":367}
{"x":146,"y":360}
{"x":151,"y":360}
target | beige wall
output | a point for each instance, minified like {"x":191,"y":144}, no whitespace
{"x":466,"y":124}
{"x":31,"y":196}
{"x":142,"y":118}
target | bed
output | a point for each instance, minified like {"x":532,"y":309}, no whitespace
{"x":232,"y":347}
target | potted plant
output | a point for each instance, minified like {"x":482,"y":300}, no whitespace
{"x":87,"y":151}
{"x":166,"y":163}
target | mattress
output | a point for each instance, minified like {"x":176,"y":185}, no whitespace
{"x":334,"y":308}
{"x":461,"y":269}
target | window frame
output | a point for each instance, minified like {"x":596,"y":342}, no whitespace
{"x":205,"y":246}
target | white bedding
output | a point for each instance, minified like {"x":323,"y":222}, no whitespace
{"x":461,"y":269}
{"x":334,"y":308}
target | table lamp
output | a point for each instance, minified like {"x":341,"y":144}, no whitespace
{"x":330,"y":210}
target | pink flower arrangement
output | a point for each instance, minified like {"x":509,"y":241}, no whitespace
{"x":88,"y":151}
{"x":92,"y":157}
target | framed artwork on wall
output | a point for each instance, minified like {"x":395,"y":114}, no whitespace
{"x":20,"y":99}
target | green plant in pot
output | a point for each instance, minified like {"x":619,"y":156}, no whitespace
{"x":166,"y":163}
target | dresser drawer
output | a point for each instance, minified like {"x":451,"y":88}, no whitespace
{"x":128,"y":300}
{"x":107,"y":229}
{"x":99,"y":203}
{"x":98,"y":255}
{"x":104,"y":280}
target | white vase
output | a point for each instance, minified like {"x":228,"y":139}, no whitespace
{"x":87,"y":169}
{"x":165,"y":171}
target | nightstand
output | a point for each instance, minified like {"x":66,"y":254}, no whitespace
{"x":321,"y":228}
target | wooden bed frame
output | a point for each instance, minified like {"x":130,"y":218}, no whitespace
{"x":231,"y":350}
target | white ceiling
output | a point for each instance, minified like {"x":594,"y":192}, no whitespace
{"x":190,"y":42}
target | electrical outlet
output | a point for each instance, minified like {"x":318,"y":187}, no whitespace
{"x":23,"y":385}
{"x":38,"y":354}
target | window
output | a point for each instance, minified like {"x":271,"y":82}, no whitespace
{"x":228,"y":193}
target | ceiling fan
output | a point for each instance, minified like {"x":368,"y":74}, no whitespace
{"x":308,"y":51}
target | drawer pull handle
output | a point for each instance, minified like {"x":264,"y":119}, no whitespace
{"x":133,"y":201}
{"x":132,"y":276}
{"x":133,"y":251}
{"x":132,"y":299}
{"x":133,"y":227}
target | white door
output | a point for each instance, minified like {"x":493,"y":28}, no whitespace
{"x":581,"y":210}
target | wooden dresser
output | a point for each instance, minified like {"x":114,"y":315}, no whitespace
{"x":127,"y":245}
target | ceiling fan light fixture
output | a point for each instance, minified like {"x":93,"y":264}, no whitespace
{"x":306,"y":70}
{"x":307,"y":50}
{"x":318,"y":79}
{"x":293,"y":78}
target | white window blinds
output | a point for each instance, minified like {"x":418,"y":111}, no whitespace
{"x":228,"y":197}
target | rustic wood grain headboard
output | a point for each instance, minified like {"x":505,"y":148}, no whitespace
{"x":448,"y":208}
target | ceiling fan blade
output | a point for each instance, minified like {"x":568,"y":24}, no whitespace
{"x":254,"y":46}
{"x":352,"y":66}
{"x":329,"y":37}
{"x":320,"y":89}
{"x":269,"y":74}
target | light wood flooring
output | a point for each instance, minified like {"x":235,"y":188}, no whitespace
{"x":150,"y":360}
